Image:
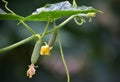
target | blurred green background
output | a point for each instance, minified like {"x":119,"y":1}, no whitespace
{"x":92,"y":51}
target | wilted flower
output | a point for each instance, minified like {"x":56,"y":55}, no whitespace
{"x":31,"y":70}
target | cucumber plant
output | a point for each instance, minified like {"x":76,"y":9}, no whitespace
{"x":50,"y":13}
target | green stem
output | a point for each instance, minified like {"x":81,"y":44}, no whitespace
{"x":60,"y":25}
{"x":46,"y":29}
{"x":74,"y":3}
{"x":6,"y":4}
{"x":29,"y":28}
{"x":82,"y":20}
{"x":33,"y":36}
{"x":66,"y":21}
{"x":17,"y":44}
{"x":63,"y":59}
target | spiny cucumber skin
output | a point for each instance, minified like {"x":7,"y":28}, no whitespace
{"x":52,"y":39}
{"x":35,"y":54}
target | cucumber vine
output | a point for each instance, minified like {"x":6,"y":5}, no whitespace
{"x":49,"y":13}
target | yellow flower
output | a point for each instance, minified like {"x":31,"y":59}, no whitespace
{"x":31,"y":71}
{"x":45,"y":50}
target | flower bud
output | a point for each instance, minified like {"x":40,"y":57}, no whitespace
{"x":93,"y":14}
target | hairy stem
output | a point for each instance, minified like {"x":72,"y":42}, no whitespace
{"x":17,"y":44}
{"x":64,"y":22}
{"x":27,"y":27}
{"x":60,"y":25}
{"x":6,"y":4}
{"x":63,"y":59}
{"x":46,"y":29}
{"x":36,"y":35}
{"x":74,"y":3}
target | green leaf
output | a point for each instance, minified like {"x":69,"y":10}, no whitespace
{"x":9,"y":16}
{"x":50,"y":15}
{"x":58,"y":10}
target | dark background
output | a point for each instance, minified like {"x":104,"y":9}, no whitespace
{"x":92,"y":51}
